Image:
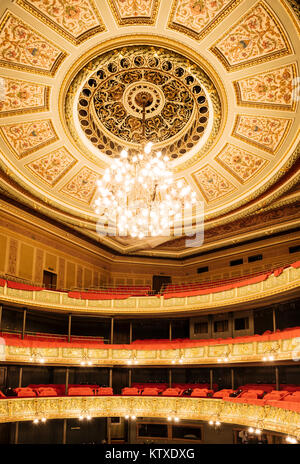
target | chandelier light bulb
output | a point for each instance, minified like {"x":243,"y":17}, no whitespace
{"x":139,"y":197}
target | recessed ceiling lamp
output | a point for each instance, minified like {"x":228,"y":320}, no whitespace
{"x":137,"y":195}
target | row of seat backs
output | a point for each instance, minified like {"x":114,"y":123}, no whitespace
{"x":59,"y":390}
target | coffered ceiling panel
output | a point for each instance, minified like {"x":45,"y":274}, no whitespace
{"x":221,"y":77}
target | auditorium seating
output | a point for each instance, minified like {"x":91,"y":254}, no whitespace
{"x":259,"y":395}
{"x":223,"y":393}
{"x":171,"y":392}
{"x":170,"y":291}
{"x":202,"y":393}
{"x":46,"y":391}
{"x":24,"y":392}
{"x":104,"y":391}
{"x":80,"y":391}
{"x":150,"y":392}
{"x":130,"y":391}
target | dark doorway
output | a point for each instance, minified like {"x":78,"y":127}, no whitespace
{"x":160,"y":281}
{"x":49,"y":280}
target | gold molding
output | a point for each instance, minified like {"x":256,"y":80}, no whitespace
{"x":63,"y":174}
{"x":194,"y":355}
{"x":137,"y":20}
{"x":255,"y":61}
{"x":55,"y":138}
{"x":36,"y":109}
{"x":28,"y":68}
{"x":256,"y":144}
{"x":263,"y":105}
{"x":288,"y":281}
{"x":59,"y":29}
{"x":207,"y":29}
{"x":231,"y":172}
{"x":275,"y":419}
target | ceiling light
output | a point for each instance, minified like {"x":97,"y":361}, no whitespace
{"x":137,"y":195}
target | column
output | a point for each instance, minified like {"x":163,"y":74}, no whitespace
{"x":0,"y":318}
{"x":170,"y":378}
{"x":130,"y":332}
{"x":170,"y":330}
{"x":274,"y":318}
{"x":20,"y":377}
{"x":69,"y":327}
{"x":64,"y":438}
{"x":112,"y":330}
{"x":67,"y":381}
{"x":24,"y":323}
{"x":129,"y":377}
{"x":16,"y":437}
{"x":108,"y":427}
{"x":232,"y":378}
{"x":211,"y":374}
{"x":277,"y":378}
{"x":110,"y":377}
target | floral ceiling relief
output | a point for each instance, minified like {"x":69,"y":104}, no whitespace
{"x":134,"y":11}
{"x":23,"y":97}
{"x":242,"y":164}
{"x":82,"y":186}
{"x":27,"y":137}
{"x":76,"y":20}
{"x":256,"y":38}
{"x":51,"y":167}
{"x":212,"y":184}
{"x":197,"y":17}
{"x":263,"y":132}
{"x":24,"y":49}
{"x":273,"y":89}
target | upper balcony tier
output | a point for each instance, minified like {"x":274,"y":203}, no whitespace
{"x":276,"y":285}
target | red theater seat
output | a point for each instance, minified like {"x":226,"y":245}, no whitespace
{"x":80,"y":391}
{"x":104,"y":391}
{"x":2,"y":395}
{"x":130,"y":391}
{"x":24,"y":392}
{"x":201,"y":392}
{"x":223,"y":393}
{"x":150,"y":391}
{"x":46,"y":391}
{"x":171,"y":392}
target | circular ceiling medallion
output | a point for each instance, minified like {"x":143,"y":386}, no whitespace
{"x":143,"y":93}
{"x":182,"y":110}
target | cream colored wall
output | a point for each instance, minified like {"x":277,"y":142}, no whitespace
{"x":27,"y":258}
{"x":28,"y":249}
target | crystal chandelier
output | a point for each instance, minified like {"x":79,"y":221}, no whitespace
{"x":138,"y":195}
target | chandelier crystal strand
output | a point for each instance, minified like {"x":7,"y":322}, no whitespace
{"x":139,"y":195}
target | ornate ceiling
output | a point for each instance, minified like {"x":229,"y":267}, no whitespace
{"x":221,"y":78}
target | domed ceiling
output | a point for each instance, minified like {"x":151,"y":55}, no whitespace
{"x":221,"y":81}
